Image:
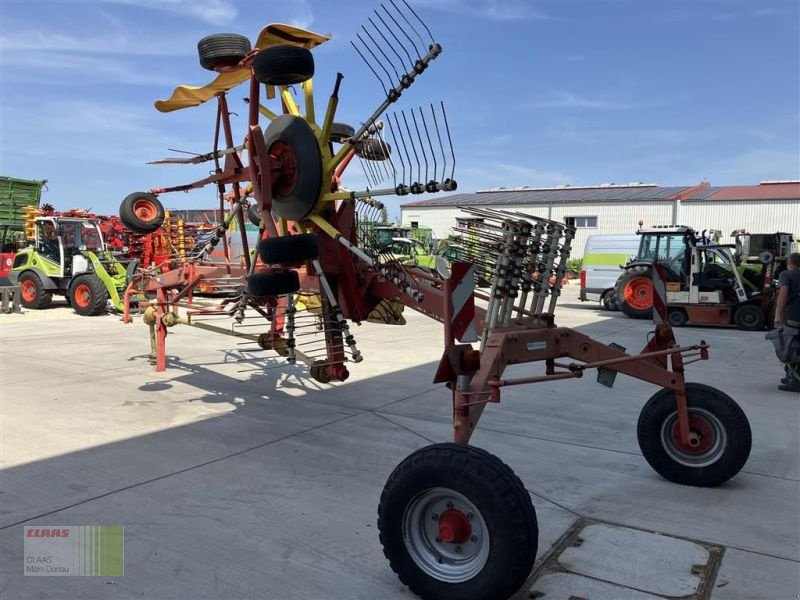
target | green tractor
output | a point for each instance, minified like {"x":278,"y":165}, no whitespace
{"x":69,"y":257}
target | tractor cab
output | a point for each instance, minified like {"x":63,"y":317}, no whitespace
{"x":64,"y":241}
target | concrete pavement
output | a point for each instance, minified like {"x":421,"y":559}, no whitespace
{"x":237,"y":477}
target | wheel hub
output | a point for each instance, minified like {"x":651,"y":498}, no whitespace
{"x":454,"y":527}
{"x":28,"y":291}
{"x":639,"y":293}
{"x":145,"y":210}
{"x":701,"y":435}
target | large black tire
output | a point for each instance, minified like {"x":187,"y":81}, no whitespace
{"x":749,"y":317}
{"x":341,"y":132}
{"x":294,"y":198}
{"x":480,"y":545}
{"x":273,"y":283}
{"x":677,"y":317}
{"x":609,"y":300}
{"x":253,"y":215}
{"x":372,"y":149}
{"x":222,"y":50}
{"x":289,"y":249}
{"x":283,"y":64}
{"x":723,"y":443}
{"x":88,"y":295}
{"x":141,"y":212}
{"x":631,"y":295}
{"x":32,"y":292}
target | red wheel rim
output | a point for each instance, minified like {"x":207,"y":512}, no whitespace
{"x":704,"y":435}
{"x":145,"y":209}
{"x":83,"y":295}
{"x":639,"y":293}
{"x":28,"y":291}
{"x":285,"y":169}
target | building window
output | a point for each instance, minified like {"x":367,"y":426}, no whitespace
{"x":414,"y":224}
{"x":581,"y":222}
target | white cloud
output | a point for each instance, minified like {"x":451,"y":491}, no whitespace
{"x":304,"y":17}
{"x":497,"y":10}
{"x":564,"y":99}
{"x":216,"y":12}
{"x":118,"y":42}
{"x":757,"y":164}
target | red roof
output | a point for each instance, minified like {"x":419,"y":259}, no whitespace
{"x":765,"y":191}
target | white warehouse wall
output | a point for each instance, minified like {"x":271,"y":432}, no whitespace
{"x":757,"y":216}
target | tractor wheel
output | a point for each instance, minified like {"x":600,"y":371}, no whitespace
{"x":456,"y":522}
{"x":749,"y":317}
{"x":283,"y":64}
{"x":289,"y":249}
{"x":373,"y":149}
{"x":273,"y":283}
{"x":222,"y":50}
{"x":721,"y":443}
{"x":634,"y":292}
{"x":253,"y":215}
{"x":32,"y":292}
{"x":609,"y":300}
{"x":677,"y":317}
{"x":142,"y":213}
{"x":341,"y":132}
{"x":88,"y":295}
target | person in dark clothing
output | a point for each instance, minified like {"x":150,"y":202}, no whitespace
{"x":787,"y":314}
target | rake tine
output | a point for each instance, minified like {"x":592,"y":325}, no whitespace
{"x":411,"y":141}
{"x":388,"y":152}
{"x":450,"y":140}
{"x":377,"y":60}
{"x":430,"y":145}
{"x":413,"y":12}
{"x":402,"y":30}
{"x":388,"y":60}
{"x":414,"y":29}
{"x":405,"y":149}
{"x":441,"y":146}
{"x":388,"y":43}
{"x":399,"y":43}
{"x":422,"y":146}
{"x":399,"y":154}
{"x":383,"y":85}
{"x":384,"y":148}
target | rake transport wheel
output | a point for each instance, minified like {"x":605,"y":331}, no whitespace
{"x":283,"y":64}
{"x":609,"y":300}
{"x":273,"y":283}
{"x":749,"y":317}
{"x":253,"y":215}
{"x":32,"y":292}
{"x":341,"y":132}
{"x":634,"y":292}
{"x":289,"y":249}
{"x":88,"y":295}
{"x":720,"y":432}
{"x":297,"y":183}
{"x":141,"y":212}
{"x":372,"y":149}
{"x":222,"y":50}
{"x":456,"y":522}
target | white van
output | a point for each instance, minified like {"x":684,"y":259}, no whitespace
{"x":603,"y":258}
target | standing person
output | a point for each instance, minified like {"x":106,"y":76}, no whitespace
{"x":787,"y":313}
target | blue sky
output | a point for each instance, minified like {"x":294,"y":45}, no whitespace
{"x":538,"y":93}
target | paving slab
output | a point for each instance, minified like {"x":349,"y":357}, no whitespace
{"x":567,"y":586}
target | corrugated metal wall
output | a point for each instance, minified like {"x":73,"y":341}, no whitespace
{"x":757,"y":216}
{"x":612,"y":217}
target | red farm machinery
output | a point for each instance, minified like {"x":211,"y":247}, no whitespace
{"x":455,"y":522}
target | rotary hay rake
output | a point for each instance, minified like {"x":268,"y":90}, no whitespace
{"x":454,"y":521}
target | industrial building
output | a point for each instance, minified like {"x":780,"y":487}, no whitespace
{"x":618,"y":209}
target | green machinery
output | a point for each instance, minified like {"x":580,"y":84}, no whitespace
{"x":68,"y":257}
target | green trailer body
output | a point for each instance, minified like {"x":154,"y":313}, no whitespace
{"x":15,"y":195}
